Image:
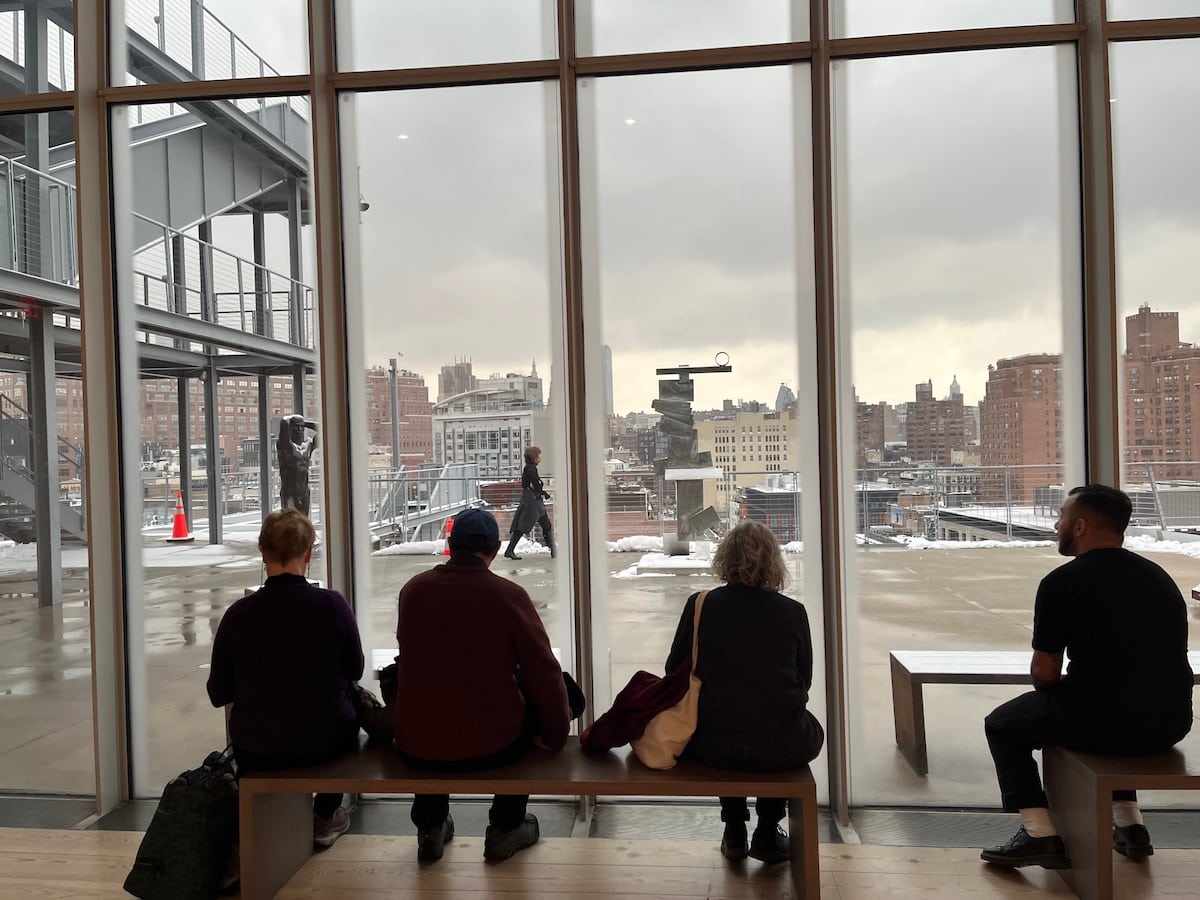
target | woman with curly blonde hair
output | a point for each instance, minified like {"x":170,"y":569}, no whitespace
{"x":756,"y":663}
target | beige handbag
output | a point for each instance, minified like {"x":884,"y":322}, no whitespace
{"x":668,"y":733}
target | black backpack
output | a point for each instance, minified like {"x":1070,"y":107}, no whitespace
{"x":186,"y":849}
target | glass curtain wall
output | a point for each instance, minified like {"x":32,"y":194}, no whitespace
{"x":605,"y":27}
{"x":857,"y":18}
{"x":383,"y":34}
{"x":958,"y":186}
{"x":211,"y":253}
{"x":957,"y":243}
{"x":45,"y":679}
{"x":1155,"y":91}
{"x":456,"y":271}
{"x":698,"y":287}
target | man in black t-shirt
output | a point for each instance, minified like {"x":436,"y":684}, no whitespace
{"x":1128,"y":686}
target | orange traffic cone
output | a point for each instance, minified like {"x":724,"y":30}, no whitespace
{"x":449,"y":528}
{"x":179,"y":531}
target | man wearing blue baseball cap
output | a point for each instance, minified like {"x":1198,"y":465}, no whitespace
{"x":477,"y":684}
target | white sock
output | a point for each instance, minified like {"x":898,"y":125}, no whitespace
{"x":1037,"y":822}
{"x":1126,"y":813}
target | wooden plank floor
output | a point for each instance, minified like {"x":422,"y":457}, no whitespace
{"x":83,"y":865}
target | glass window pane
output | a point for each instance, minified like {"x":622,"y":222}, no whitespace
{"x":638,"y":26}
{"x":181,"y":40}
{"x":859,"y":18}
{"x":1155,"y":91}
{"x":959,"y":269}
{"x":40,"y":65}
{"x":215,"y":279}
{"x":697,"y":228}
{"x":456,"y":271}
{"x":1152,"y":9}
{"x":384,"y":34}
{"x":45,"y":677}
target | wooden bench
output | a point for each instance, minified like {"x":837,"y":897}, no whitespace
{"x":1080,"y":787}
{"x":275,"y":808}
{"x":912,"y":669}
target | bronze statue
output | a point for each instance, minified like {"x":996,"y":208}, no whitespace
{"x":294,"y":449}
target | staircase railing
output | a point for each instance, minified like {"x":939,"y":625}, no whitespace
{"x":14,"y":420}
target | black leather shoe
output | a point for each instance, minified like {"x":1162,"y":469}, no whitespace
{"x":1023,"y":850}
{"x":501,"y":845}
{"x":769,"y":844}
{"x":733,"y":844}
{"x":431,"y":843}
{"x":1132,"y":841}
{"x":508,"y":555}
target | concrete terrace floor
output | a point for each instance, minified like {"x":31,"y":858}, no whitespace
{"x":905,"y":599}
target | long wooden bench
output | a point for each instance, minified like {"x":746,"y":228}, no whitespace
{"x":912,"y":669}
{"x":275,"y":808}
{"x":1080,"y":787}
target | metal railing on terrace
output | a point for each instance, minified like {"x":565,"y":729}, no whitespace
{"x":178,"y":273}
{"x":189,"y":277}
{"x":60,"y":48}
{"x":408,"y":504}
{"x":37,"y":224}
{"x":185,"y":32}
{"x":188,"y":33}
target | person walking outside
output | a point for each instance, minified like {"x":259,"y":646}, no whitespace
{"x":532,"y":509}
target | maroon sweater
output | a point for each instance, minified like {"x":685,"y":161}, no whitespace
{"x":462,"y":632}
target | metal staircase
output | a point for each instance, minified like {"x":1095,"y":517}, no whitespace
{"x":17,"y":492}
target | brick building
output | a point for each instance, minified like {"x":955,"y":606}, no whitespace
{"x":1020,"y":423}
{"x":1162,"y":410}
{"x":934,"y":428}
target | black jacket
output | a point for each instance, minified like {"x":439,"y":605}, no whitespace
{"x":756,"y":665}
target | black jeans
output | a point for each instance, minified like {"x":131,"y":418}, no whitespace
{"x":323,"y":804}
{"x":1035,"y":720}
{"x":770,"y":810}
{"x":507,"y":811}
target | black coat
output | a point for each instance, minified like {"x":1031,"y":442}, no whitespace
{"x":532,"y":508}
{"x":755,"y":663}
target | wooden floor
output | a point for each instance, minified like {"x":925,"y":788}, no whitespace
{"x":82,"y":865}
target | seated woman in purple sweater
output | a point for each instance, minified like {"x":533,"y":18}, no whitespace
{"x":286,"y":657}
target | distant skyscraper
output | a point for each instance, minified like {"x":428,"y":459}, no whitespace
{"x":606,"y":368}
{"x":455,"y":378}
{"x":784,"y":399}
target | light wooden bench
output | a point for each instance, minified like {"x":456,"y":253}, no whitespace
{"x":275,"y":808}
{"x":912,"y":669}
{"x":1080,"y":787}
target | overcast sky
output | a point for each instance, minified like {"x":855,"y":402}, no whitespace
{"x":958,"y":210}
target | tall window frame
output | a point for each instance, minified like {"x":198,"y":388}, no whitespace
{"x":113,"y":586}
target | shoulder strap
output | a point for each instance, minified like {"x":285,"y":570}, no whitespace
{"x":696,"y":627}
